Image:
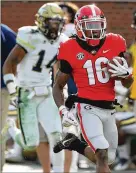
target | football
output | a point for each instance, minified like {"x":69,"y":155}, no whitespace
{"x":112,"y":62}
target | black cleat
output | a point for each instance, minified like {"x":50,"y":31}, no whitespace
{"x":65,"y":143}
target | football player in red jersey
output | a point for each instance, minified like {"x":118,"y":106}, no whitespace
{"x":85,"y":57}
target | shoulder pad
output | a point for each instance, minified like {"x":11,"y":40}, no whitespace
{"x":24,"y":37}
{"x":115,"y":36}
{"x":64,"y":50}
{"x":28,"y":29}
{"x":118,"y":41}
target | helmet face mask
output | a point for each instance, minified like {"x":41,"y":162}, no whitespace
{"x":52,"y":27}
{"x":92,"y":28}
{"x":90,"y":23}
{"x":50,"y":20}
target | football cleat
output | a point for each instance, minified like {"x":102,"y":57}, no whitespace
{"x":66,"y":143}
{"x":13,"y":156}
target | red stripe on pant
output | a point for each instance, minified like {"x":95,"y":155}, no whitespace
{"x":82,"y":128}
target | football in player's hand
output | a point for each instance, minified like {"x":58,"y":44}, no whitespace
{"x":112,"y":62}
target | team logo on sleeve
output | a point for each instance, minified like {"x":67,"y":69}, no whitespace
{"x":80,"y":56}
{"x":88,"y":107}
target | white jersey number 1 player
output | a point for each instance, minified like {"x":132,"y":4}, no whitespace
{"x":34,"y":55}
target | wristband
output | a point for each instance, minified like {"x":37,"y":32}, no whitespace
{"x":8,"y":77}
{"x":9,"y":80}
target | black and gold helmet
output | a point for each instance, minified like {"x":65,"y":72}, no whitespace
{"x":50,"y":20}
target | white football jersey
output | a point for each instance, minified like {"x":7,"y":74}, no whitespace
{"x":35,"y":67}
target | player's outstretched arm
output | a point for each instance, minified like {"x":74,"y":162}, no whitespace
{"x":68,"y":118}
{"x":9,"y":68}
{"x":60,"y":81}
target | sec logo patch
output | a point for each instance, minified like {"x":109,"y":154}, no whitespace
{"x":80,"y":56}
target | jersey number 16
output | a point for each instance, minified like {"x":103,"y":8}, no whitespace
{"x":101,"y":72}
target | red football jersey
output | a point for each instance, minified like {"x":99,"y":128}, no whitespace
{"x":90,"y":71}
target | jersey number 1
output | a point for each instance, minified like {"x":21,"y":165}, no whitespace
{"x":37,"y":66}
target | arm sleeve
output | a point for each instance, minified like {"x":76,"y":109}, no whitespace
{"x":24,"y":39}
{"x":65,"y":67}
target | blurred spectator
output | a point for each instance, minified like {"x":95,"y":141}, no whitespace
{"x":126,"y":124}
{"x":126,"y":118}
{"x":8,"y":40}
{"x":132,"y":50}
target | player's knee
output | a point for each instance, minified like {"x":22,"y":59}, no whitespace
{"x":99,"y":142}
{"x":111,"y":157}
{"x":57,"y":136}
{"x":54,"y":137}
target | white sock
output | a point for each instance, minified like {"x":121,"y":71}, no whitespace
{"x":16,"y":135}
{"x":17,"y":148}
{"x":19,"y":140}
{"x":57,"y":159}
{"x":73,"y":167}
{"x":13,"y":131}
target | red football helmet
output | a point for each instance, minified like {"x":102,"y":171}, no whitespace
{"x":90,"y":24}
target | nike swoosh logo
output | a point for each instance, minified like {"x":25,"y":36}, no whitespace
{"x":64,"y":142}
{"x":105,"y":51}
